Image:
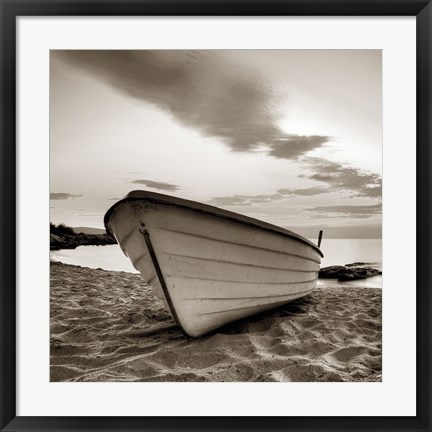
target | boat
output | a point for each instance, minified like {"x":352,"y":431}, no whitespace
{"x":211,"y":266}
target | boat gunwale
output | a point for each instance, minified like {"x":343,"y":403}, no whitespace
{"x":156,"y":198}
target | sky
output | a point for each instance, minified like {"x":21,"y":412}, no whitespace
{"x":291,"y":137}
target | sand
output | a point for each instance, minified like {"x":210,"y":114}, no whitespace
{"x":108,"y":326}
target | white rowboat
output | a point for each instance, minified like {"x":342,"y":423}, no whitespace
{"x":211,"y":266}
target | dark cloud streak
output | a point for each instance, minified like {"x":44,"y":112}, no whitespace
{"x":63,"y":196}
{"x":354,"y":211}
{"x":157,"y":185}
{"x":201,"y":90}
{"x":295,"y":145}
{"x":243,"y":200}
{"x":342,"y":178}
{"x":316,"y":190}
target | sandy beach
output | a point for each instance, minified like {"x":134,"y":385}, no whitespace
{"x":108,"y":326}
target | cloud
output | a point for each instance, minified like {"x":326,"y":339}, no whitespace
{"x":63,"y":196}
{"x":316,"y":190}
{"x":157,"y":185}
{"x":295,"y":145}
{"x":202,"y":90}
{"x":244,"y":200}
{"x":340,"y":177}
{"x":356,"y":211}
{"x":241,"y":200}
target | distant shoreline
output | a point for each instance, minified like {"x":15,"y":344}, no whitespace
{"x":75,"y":240}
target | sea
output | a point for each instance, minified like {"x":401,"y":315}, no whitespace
{"x":336,"y":252}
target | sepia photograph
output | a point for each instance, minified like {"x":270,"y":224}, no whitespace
{"x":216,"y":215}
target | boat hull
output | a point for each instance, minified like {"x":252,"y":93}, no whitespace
{"x":211,"y":270}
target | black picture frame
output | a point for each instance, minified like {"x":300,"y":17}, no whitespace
{"x":11,"y":9}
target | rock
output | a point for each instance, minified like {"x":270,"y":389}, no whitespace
{"x":347,"y":273}
{"x":343,"y":277}
{"x":331,"y":272}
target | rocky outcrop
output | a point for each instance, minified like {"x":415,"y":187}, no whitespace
{"x":71,"y":241}
{"x":348,"y":272}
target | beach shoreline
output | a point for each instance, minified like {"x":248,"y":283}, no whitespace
{"x":109,"y":326}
